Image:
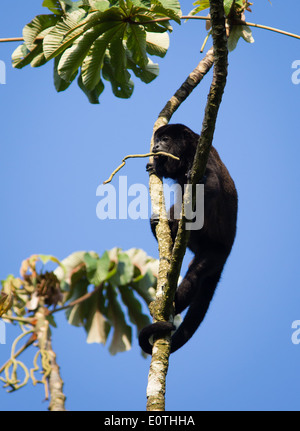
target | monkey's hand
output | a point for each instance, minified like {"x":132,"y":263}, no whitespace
{"x":189,"y":177}
{"x":150,"y":168}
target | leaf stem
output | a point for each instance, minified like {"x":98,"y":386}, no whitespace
{"x":78,"y":300}
{"x":205,"y":18}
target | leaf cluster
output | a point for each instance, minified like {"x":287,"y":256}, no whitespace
{"x":97,"y":41}
{"x":234,"y":12}
{"x":100,"y":294}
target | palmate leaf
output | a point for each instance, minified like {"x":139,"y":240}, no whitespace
{"x":73,"y":57}
{"x":118,"y":57}
{"x":97,"y":268}
{"x":134,"y":308}
{"x":169,"y":8}
{"x":101,"y":5}
{"x":63,"y":34}
{"x":59,"y":83}
{"x":31,"y":52}
{"x":136,"y":43}
{"x":92,"y":95}
{"x":76,"y":314}
{"x":69,"y":265}
{"x":145,"y":74}
{"x":96,"y":325}
{"x":200,"y":5}
{"x":122,"y":89}
{"x":236,"y":33}
{"x":157,"y":44}
{"x":93,"y":62}
{"x":54,"y":6}
{"x":34,"y":29}
{"x":102,"y":292}
{"x":122,"y":334}
{"x":124,"y":273}
{"x":100,"y":37}
{"x":22,"y":56}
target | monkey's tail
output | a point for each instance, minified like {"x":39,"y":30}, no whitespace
{"x":191,"y":322}
{"x":196,"y":312}
{"x":157,"y":328}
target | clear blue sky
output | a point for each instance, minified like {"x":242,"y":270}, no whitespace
{"x":57,"y":148}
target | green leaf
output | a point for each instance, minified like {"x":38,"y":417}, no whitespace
{"x":201,"y":5}
{"x":145,"y":74}
{"x":54,"y":6}
{"x":51,"y":320}
{"x":22,"y":56}
{"x":236,"y":33}
{"x":45,"y":258}
{"x":136,"y":43}
{"x":118,"y":56}
{"x":121,"y":340}
{"x":71,"y":265}
{"x":76,"y":314}
{"x":73,"y":57}
{"x":92,"y":64}
{"x":145,"y":286}
{"x":39,"y":60}
{"x":101,"y":5}
{"x":59,"y":83}
{"x":97,"y":269}
{"x":32,"y":30}
{"x":63,"y":34}
{"x":157,"y":44}
{"x":124,"y":272}
{"x":96,"y":326}
{"x":92,"y":95}
{"x":120,"y":89}
{"x":247,"y":34}
{"x":134,"y":308}
{"x":227,"y":6}
{"x":167,"y":8}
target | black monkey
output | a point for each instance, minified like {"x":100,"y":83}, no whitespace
{"x":211,"y":245}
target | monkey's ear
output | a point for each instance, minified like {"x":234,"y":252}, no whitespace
{"x":150,"y":168}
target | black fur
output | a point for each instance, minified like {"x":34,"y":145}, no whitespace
{"x":211,"y":245}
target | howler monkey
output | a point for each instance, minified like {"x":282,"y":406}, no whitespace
{"x":211,"y":245}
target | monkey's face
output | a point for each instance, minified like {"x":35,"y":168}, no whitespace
{"x":174,"y":139}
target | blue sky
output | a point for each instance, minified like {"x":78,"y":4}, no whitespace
{"x":55,"y":149}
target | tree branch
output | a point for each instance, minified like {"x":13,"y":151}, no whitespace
{"x":57,"y":397}
{"x":168,"y":284}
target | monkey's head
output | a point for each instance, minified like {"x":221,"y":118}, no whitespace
{"x":180,"y":141}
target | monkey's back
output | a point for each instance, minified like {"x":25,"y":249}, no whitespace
{"x":220,"y":206}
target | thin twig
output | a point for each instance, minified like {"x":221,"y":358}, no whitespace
{"x":132,"y":156}
{"x":18,"y":319}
